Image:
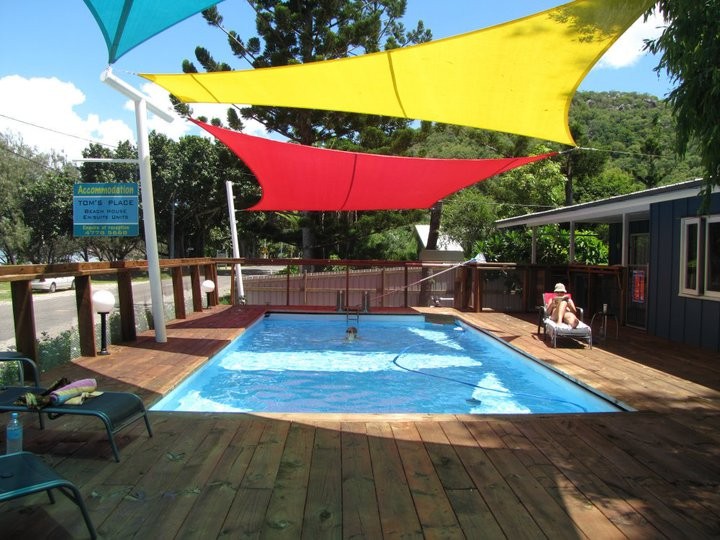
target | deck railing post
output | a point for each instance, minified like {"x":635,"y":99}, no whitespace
{"x":211,"y":274}
{"x":178,"y":292}
{"x":86,"y":317}
{"x":407,"y":282}
{"x":24,"y":317}
{"x":127,"y":308}
{"x":196,"y":290}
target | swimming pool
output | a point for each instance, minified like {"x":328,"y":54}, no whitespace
{"x":397,"y":364}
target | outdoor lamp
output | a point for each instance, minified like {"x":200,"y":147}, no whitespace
{"x":207,"y":287}
{"x":103,"y":302}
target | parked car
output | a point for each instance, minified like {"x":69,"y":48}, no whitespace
{"x":52,"y":284}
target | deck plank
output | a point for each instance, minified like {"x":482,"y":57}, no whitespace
{"x":588,"y":518}
{"x":513,"y":517}
{"x":210,"y":511}
{"x":361,"y":517}
{"x":434,"y":511}
{"x":285,"y":512}
{"x":397,"y":510}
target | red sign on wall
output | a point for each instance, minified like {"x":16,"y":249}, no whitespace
{"x":638,"y":286}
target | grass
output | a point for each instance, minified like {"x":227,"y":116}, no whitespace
{"x":5,"y":291}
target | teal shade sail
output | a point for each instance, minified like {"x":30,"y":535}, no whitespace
{"x":125,"y":24}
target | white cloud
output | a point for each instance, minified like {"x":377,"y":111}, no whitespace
{"x":42,"y":113}
{"x":629,"y":48}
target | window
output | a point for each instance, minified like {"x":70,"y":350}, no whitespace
{"x":700,"y":256}
{"x":712,"y":256}
{"x":690,"y":256}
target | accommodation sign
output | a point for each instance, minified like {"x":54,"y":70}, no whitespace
{"x":105,"y":209}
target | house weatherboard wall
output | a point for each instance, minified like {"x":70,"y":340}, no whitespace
{"x":671,"y":255}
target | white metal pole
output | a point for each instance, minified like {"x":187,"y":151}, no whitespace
{"x":235,"y":247}
{"x":533,"y":246}
{"x":624,"y":256}
{"x":142,"y":104}
{"x":148,"y":208}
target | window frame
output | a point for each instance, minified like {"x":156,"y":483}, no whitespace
{"x":685,"y":223}
{"x":714,"y":219}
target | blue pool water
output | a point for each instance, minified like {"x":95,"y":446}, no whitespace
{"x":397,"y":364}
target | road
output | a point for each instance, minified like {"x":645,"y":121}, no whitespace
{"x":56,"y":312}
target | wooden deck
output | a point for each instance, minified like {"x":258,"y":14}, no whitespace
{"x":654,"y":473}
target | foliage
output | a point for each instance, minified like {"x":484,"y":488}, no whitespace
{"x":636,"y":132}
{"x":397,"y":244}
{"x":552,"y":246}
{"x":690,"y":54}
{"x":36,"y":219}
{"x":58,"y":350}
{"x":468,"y":216}
{"x":534,"y":187}
{"x":17,"y":168}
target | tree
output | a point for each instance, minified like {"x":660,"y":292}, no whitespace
{"x":532,"y":188}
{"x":468,"y":217}
{"x":18,"y":166}
{"x":47,"y":211}
{"x":690,"y":54}
{"x":310,"y":31}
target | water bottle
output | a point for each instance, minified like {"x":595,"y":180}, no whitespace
{"x":14,"y":432}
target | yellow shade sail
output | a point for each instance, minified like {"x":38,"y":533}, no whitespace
{"x":518,"y":77}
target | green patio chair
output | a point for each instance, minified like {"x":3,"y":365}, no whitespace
{"x":116,"y":410}
{"x":25,"y":473}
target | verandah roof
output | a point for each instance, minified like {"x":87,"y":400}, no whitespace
{"x":296,"y":177}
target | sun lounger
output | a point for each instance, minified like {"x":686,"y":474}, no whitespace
{"x":24,"y":473}
{"x":117,"y":410}
{"x":553,"y":329}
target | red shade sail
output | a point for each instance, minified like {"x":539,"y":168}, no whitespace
{"x":296,"y":177}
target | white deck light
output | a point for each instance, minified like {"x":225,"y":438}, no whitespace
{"x":103,"y":302}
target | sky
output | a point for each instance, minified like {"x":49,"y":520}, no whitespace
{"x":52,"y":99}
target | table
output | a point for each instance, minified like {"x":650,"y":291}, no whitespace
{"x":604,"y":316}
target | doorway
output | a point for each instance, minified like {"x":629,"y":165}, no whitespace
{"x":637,"y":286}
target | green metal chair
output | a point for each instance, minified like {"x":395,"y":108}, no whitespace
{"x":117,"y":410}
{"x":25,"y":473}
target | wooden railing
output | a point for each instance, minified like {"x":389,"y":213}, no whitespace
{"x":20,"y":277}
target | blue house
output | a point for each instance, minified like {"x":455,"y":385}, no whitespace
{"x":670,"y":251}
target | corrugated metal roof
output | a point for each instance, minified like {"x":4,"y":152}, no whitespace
{"x":610,"y":210}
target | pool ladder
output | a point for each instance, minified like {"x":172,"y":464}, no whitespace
{"x":352,"y":315}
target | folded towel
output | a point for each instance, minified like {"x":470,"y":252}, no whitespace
{"x":75,"y":393}
{"x":61,"y":392}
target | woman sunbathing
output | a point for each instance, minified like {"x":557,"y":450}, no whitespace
{"x":561,"y":307}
